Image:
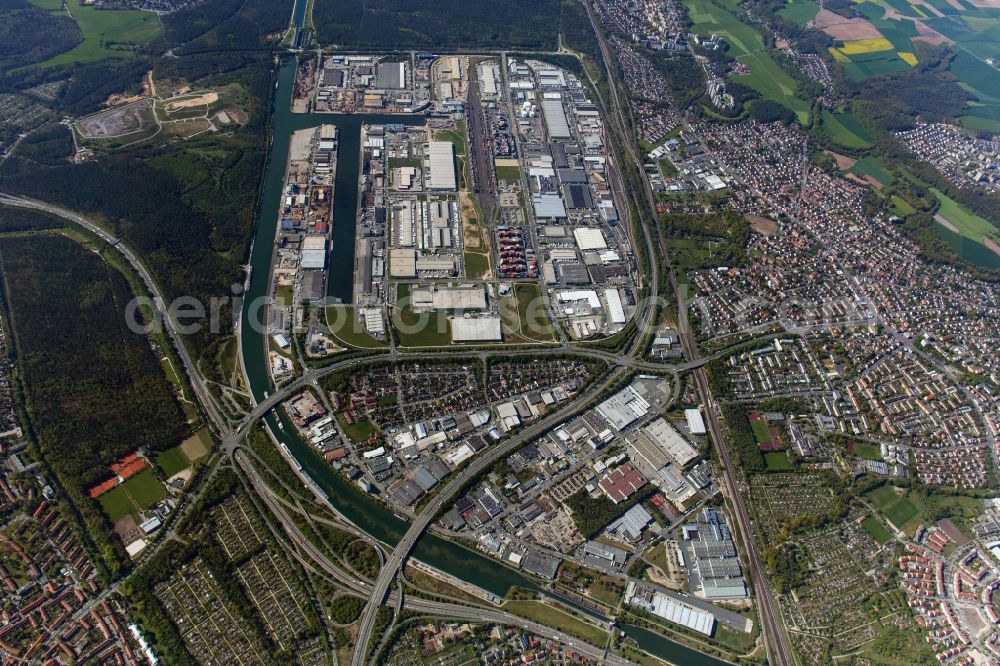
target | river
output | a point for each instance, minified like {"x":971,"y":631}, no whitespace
{"x":355,"y":505}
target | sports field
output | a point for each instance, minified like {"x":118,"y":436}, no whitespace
{"x":777,"y":461}
{"x":140,"y":492}
{"x":106,"y":33}
{"x":172,"y":461}
{"x":876,"y":529}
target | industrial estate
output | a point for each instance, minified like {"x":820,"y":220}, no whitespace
{"x":586,"y":332}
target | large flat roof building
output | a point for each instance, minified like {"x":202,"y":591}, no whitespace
{"x":391,"y":76}
{"x":439,"y":157}
{"x":555,"y":119}
{"x":478,"y":329}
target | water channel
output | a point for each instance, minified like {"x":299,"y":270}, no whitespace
{"x":354,"y":504}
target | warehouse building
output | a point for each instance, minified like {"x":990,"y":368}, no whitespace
{"x":590,"y":238}
{"x":439,"y":160}
{"x":479,"y":329}
{"x":669,"y":608}
{"x":448,"y":298}
{"x":624,"y":408}
{"x":662,"y":434}
{"x":314,"y":253}
{"x":548,"y":206}
{"x":555,"y":119}
{"x":391,"y":76}
{"x":696,"y":424}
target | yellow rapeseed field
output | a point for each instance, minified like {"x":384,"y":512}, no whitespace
{"x":859,"y":46}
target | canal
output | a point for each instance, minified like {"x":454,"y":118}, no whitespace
{"x":349,"y":500}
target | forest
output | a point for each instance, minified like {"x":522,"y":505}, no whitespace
{"x":94,"y":390}
{"x":227,"y":25}
{"x":30,"y":34}
{"x":188,"y":208}
{"x":438,"y":24}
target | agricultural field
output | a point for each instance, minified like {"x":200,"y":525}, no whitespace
{"x":845,"y":129}
{"x":871,"y":170}
{"x":800,"y":11}
{"x":747,"y":46}
{"x":106,"y":33}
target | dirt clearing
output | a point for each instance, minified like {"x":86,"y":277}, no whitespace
{"x":845,"y":29}
{"x":200,"y":100}
{"x":843,"y":161}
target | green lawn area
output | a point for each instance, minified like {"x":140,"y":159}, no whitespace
{"x":401,"y":162}
{"x":901,"y":207}
{"x":457,"y":139}
{"x":357,"y":432}
{"x":846,"y":130}
{"x":145,"y":488}
{"x":767,"y":78}
{"x":867,"y":451}
{"x":424,"y":329}
{"x":172,"y":461}
{"x":509,"y":174}
{"x":347,"y":329}
{"x":607,"y":590}
{"x":871,"y":166}
{"x":557,"y":619}
{"x":876,"y":529}
{"x":760,"y":432}
{"x":117,"y":504}
{"x":777,"y":461}
{"x":882,"y":496}
{"x":106,"y":33}
{"x":969,"y":224}
{"x":524,"y":316}
{"x":477,"y":265}
{"x":800,"y":11}
{"x":901,"y":513}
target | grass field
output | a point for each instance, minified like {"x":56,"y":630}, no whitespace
{"x":800,"y":11}
{"x":777,"y":461}
{"x":846,"y":130}
{"x":767,"y":78}
{"x":871,"y":166}
{"x":477,"y":264}
{"x":509,"y":174}
{"x":343,"y":323}
{"x":140,"y":492}
{"x":867,"y":451}
{"x":357,"y":432}
{"x":553,"y":617}
{"x":902,"y":513}
{"x":424,"y":329}
{"x":882,"y":496}
{"x":106,"y":33}
{"x":747,"y":46}
{"x":172,"y":461}
{"x":524,"y":316}
{"x":968,"y":223}
{"x":876,"y":529}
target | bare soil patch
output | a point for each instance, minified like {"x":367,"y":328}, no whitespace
{"x":843,"y":161}
{"x":194,"y":447}
{"x":946,"y":224}
{"x":845,"y":29}
{"x":762,"y":225}
{"x":200,"y":100}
